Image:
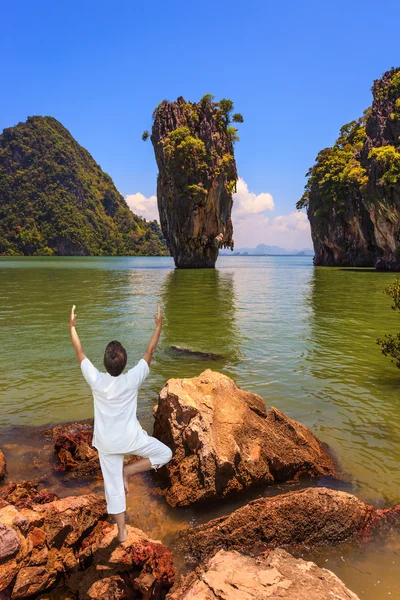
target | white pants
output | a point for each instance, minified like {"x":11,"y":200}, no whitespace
{"x":112,"y":464}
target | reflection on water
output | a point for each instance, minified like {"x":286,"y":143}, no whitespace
{"x":304,"y":338}
{"x":200,"y":314}
{"x":355,"y":387}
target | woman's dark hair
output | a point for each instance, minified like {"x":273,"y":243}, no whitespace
{"x":115,"y":358}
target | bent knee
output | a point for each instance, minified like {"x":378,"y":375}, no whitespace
{"x":164,"y":459}
{"x":168,"y":455}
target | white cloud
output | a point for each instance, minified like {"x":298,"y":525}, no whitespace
{"x":288,"y":231}
{"x":247,"y":203}
{"x":251,"y":224}
{"x":142,"y":206}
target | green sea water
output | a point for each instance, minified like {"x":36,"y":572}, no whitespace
{"x":303,"y":338}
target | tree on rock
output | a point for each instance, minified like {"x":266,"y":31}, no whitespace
{"x":193,"y":146}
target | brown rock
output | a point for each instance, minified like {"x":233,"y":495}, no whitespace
{"x":224,"y":440}
{"x":26,"y":494}
{"x":67,"y":542}
{"x":8,"y":571}
{"x":9,"y":542}
{"x":31,"y":580}
{"x":73,"y":447}
{"x":313,"y":516}
{"x":146,"y":566}
{"x":76,"y":453}
{"x":68,"y":519}
{"x":3,"y":466}
{"x":232,"y":576}
{"x":70,"y":427}
{"x":108,"y":588}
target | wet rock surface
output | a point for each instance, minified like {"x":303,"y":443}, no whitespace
{"x":180,"y":351}
{"x":311,"y":517}
{"x":3,"y":466}
{"x":197,"y":175}
{"x":64,"y":549}
{"x":73,"y":447}
{"x":25,"y":494}
{"x":224,"y":441}
{"x":233,"y":576}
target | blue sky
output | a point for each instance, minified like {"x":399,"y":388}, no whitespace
{"x":297,"y":71}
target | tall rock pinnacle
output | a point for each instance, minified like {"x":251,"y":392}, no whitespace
{"x":193,"y":145}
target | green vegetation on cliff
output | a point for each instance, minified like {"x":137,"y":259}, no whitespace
{"x":338,"y":172}
{"x":352,"y":194}
{"x":185,"y":150}
{"x":56,"y":200}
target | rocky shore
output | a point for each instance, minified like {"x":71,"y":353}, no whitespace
{"x":225,"y":443}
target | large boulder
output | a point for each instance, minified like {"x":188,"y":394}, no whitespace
{"x":223,"y":441}
{"x":273,"y":576}
{"x":48,"y":535}
{"x":311,"y":517}
{"x":3,"y":466}
{"x":66,"y":550}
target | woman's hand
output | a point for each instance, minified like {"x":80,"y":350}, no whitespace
{"x":158,"y":317}
{"x":72,"y":318}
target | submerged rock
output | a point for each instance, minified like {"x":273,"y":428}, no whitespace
{"x":3,"y":466}
{"x":353,"y":192}
{"x":193,"y":146}
{"x":272,"y":576}
{"x":311,"y":517}
{"x":187,"y":352}
{"x":66,"y":545}
{"x":223,"y":441}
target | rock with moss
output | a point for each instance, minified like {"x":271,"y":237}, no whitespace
{"x":56,"y":200}
{"x":352,"y":194}
{"x":193,"y":145}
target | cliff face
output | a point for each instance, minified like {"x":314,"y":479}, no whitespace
{"x":193,"y":145}
{"x":353,"y":192}
{"x":55,"y":199}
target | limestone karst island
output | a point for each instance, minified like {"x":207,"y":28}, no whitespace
{"x":200,"y":301}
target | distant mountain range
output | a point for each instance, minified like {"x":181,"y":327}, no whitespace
{"x":263,"y":249}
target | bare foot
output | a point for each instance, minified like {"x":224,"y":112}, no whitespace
{"x":126,"y":484}
{"x":122,"y":535}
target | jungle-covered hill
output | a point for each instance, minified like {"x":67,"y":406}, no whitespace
{"x":56,"y":200}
